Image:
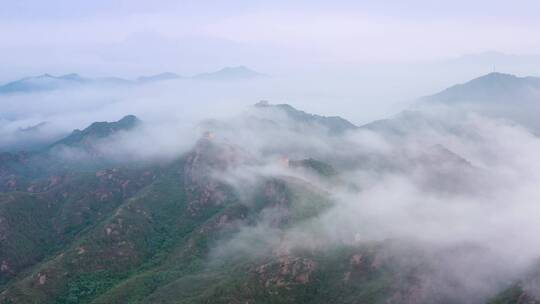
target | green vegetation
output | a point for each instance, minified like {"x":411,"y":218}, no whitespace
{"x":513,"y":295}
{"x":163,"y":234}
{"x":319,"y":167}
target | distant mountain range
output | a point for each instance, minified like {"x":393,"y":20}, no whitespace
{"x":47,"y":82}
{"x":231,"y":73}
{"x":159,"y":77}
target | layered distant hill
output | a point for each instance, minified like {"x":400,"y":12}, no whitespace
{"x":275,"y":205}
{"x":497,"y":95}
{"x":231,"y":73}
{"x":491,"y":88}
{"x":334,"y":124}
{"x":47,"y":82}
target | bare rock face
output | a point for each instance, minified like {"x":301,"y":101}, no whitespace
{"x":4,"y":266}
{"x":42,"y":279}
{"x":286,"y":272}
{"x":207,"y":160}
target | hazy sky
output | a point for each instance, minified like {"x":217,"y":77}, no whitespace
{"x":133,"y":37}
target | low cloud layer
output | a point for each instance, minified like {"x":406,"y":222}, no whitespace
{"x":453,"y":193}
{"x":461,"y":200}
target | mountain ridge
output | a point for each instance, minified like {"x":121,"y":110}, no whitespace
{"x":335,"y":124}
{"x":231,"y":73}
{"x":48,"y":82}
{"x":99,"y":130}
{"x":495,"y":86}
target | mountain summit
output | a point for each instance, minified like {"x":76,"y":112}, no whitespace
{"x":495,"y":95}
{"x":99,"y":130}
{"x":493,"y":87}
{"x":334,"y":124}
